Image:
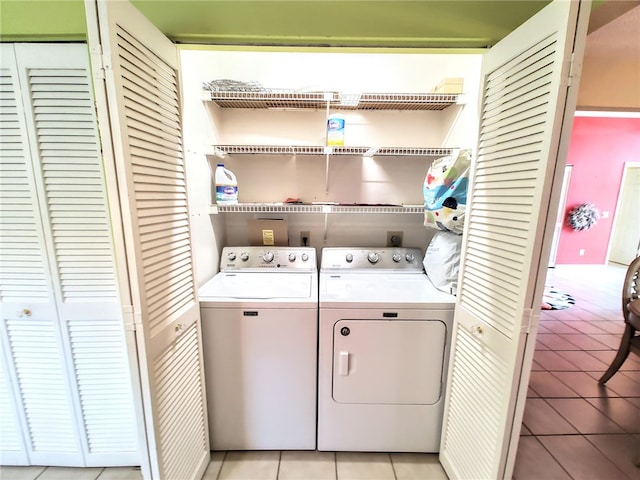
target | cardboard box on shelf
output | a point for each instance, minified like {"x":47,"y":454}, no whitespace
{"x":268,"y":232}
{"x":449,"y":85}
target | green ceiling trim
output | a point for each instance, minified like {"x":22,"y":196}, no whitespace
{"x":372,"y":50}
{"x":335,"y":41}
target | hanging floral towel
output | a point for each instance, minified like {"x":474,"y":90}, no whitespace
{"x":445,"y":192}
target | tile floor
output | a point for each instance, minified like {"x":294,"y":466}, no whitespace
{"x":572,"y":428}
{"x":268,"y":465}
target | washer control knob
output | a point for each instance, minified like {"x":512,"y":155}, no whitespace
{"x":244,"y":256}
{"x":410,"y":257}
{"x":373,"y":257}
{"x":305,"y":257}
{"x":268,"y":257}
{"x":397,"y":257}
{"x":292,"y":257}
{"x":231,"y":256}
{"x":349,"y":257}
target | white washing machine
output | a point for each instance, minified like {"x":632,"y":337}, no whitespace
{"x":260,"y":332}
{"x":383,"y":351}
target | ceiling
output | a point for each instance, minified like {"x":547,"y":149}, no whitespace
{"x":433,"y":23}
{"x":460,"y":24}
{"x":618,"y":36}
{"x":360,"y":23}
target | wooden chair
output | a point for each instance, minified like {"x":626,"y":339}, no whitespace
{"x":631,"y":313}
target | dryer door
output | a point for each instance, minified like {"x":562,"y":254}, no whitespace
{"x":388,"y":362}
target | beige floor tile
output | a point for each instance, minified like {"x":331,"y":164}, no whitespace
{"x":413,"y":466}
{"x":250,"y":466}
{"x":20,"y":473}
{"x":297,"y":465}
{"x":214,"y":466}
{"x":70,"y":473}
{"x":121,"y":473}
{"x":364,"y":466}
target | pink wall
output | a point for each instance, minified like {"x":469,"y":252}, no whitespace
{"x":598,"y":151}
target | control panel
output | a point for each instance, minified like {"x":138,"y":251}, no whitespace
{"x":268,"y":258}
{"x":395,"y":259}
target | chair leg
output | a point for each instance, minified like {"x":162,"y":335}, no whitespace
{"x":621,"y":356}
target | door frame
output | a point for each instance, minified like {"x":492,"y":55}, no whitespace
{"x":616,"y":218}
{"x":557,"y":232}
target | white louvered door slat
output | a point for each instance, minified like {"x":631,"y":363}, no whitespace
{"x":142,"y":91}
{"x":100,"y":362}
{"x":31,"y":343}
{"x":75,"y":391}
{"x":39,"y":366}
{"x":20,"y":229}
{"x":525,"y":102}
{"x":74,"y":208}
{"x":12,"y":442}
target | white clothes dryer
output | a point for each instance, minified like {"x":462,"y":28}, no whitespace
{"x":383,"y":351}
{"x":260,"y":331}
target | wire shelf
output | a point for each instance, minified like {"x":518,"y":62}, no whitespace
{"x":321,"y":208}
{"x":223,"y":150}
{"x":362,"y":209}
{"x":340,"y":101}
{"x":270,"y":99}
{"x":397,"y":101}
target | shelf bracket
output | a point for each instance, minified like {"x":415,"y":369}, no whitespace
{"x":326,"y":218}
{"x":327,"y":152}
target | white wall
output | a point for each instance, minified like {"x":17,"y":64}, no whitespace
{"x":396,"y":180}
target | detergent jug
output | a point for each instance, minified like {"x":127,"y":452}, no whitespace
{"x":226,"y":186}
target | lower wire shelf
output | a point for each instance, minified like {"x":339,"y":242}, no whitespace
{"x":314,"y":208}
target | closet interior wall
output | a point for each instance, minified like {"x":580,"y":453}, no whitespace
{"x":346,"y":179}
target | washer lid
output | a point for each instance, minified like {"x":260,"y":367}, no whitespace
{"x":257,"y":286}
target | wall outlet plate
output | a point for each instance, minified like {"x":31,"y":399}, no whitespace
{"x":394,"y":239}
{"x":305,"y":239}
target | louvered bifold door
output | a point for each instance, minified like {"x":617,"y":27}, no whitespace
{"x":39,"y":426}
{"x":63,"y":134}
{"x":141,"y":82}
{"x":523,"y":104}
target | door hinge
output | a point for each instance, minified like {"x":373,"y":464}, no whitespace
{"x":530,"y":318}
{"x":572,"y":64}
{"x":98,"y":63}
{"x":128,"y":318}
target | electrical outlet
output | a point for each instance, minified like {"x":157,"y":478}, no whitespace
{"x":394,"y":239}
{"x":581,"y":252}
{"x":305,"y":239}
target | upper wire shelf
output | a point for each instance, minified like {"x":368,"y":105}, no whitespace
{"x":282,"y":99}
{"x":222,"y":150}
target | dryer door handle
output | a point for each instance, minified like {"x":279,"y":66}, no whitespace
{"x":343,"y":363}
